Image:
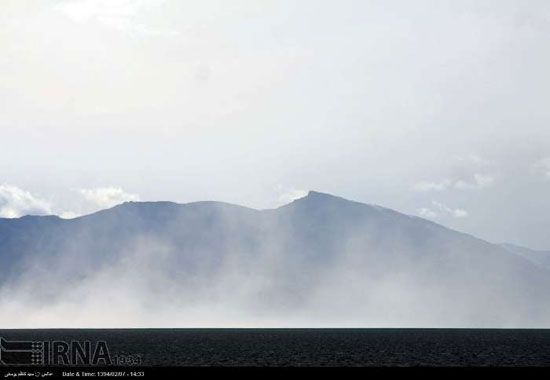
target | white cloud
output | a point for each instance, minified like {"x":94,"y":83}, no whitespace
{"x":455,"y":212}
{"x":432,"y":186}
{"x":543,"y":167}
{"x":460,"y":213}
{"x":122,"y":15}
{"x":438,"y":209}
{"x":474,"y":160}
{"x":427,"y":213}
{"x":476,"y":181}
{"x":469,"y":173}
{"x":69,"y":215}
{"x":16,"y":202}
{"x":286,"y":195}
{"x":106,"y":197}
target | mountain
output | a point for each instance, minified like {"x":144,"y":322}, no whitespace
{"x":539,"y":258}
{"x":318,"y":261}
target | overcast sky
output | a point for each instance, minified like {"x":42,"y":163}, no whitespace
{"x":434,"y":108}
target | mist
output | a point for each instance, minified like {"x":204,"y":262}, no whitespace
{"x":121,"y":121}
{"x":320,"y":261}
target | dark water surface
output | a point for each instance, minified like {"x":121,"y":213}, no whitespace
{"x":313,"y":347}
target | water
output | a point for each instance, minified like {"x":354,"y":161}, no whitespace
{"x":314,"y":347}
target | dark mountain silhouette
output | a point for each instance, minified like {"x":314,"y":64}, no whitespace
{"x":323,"y":258}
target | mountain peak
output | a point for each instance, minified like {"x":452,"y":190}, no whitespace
{"x":317,"y":201}
{"x":319,"y":197}
{"x":316,"y":198}
{"x":313,"y":193}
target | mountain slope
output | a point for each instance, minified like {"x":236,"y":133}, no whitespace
{"x":540,"y":258}
{"x":318,"y":261}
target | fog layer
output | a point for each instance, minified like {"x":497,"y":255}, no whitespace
{"x":319,"y":261}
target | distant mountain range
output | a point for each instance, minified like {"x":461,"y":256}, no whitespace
{"x":539,"y":258}
{"x":318,"y":261}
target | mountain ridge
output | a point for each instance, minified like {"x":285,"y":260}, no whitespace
{"x":337,"y":261}
{"x":311,"y":195}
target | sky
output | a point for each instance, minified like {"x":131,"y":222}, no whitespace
{"x":435,"y":108}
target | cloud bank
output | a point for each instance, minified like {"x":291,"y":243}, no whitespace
{"x":439,"y":209}
{"x":106,"y":197}
{"x":16,"y":202}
